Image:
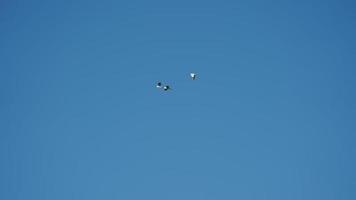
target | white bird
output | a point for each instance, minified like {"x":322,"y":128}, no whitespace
{"x":193,"y":76}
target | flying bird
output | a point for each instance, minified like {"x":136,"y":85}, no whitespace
{"x":193,"y":76}
{"x":165,"y":88}
{"x":159,"y":85}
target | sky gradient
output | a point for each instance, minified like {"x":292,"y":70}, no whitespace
{"x":271,"y":115}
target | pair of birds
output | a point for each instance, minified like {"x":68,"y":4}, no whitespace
{"x":167,"y":87}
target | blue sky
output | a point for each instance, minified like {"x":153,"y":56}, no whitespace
{"x":271,"y":116}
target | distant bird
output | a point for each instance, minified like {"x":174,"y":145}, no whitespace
{"x":165,"y":88}
{"x":159,"y":85}
{"x":193,"y":76}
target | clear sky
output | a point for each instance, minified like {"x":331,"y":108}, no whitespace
{"x":271,"y":116}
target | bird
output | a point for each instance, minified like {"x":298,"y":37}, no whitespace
{"x":167,"y":87}
{"x":159,"y":85}
{"x":193,"y":76}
